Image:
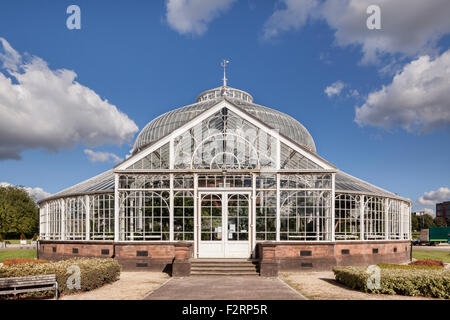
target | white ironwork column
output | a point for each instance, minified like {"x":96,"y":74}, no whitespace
{"x":47,"y":224}
{"x":402,"y":220}
{"x":333,"y":209}
{"x":253,"y":223}
{"x":88,"y":217}
{"x":116,"y":208}
{"x":63,"y":218}
{"x":171,"y":204}
{"x":387,"y":204}
{"x":278,"y":206}
{"x":361,"y":217}
{"x":196,"y":213}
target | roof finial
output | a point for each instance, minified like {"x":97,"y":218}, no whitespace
{"x":224,"y":65}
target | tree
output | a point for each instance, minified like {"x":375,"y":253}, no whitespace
{"x":439,"y":222}
{"x":414,"y":222}
{"x":426,"y":221}
{"x":19,"y":213}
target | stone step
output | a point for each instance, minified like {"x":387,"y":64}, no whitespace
{"x":222,"y":268}
{"x":223,"y":273}
{"x":204,"y":260}
{"x":231,"y":265}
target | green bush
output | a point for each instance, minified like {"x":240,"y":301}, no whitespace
{"x":94,"y":272}
{"x":411,"y":282}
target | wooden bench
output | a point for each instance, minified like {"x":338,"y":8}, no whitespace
{"x":29,"y":284}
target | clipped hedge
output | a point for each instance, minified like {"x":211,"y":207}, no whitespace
{"x":409,"y":282}
{"x":94,"y":272}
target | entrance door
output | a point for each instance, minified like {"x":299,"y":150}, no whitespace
{"x":224,"y":225}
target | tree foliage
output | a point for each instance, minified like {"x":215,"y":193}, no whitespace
{"x":19,"y":213}
{"x":414,"y":222}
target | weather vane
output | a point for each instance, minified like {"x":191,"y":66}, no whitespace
{"x":224,"y":65}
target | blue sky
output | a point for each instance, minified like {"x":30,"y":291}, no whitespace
{"x":150,"y":57}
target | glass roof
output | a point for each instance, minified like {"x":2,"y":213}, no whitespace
{"x":172,"y":120}
{"x":345,"y":183}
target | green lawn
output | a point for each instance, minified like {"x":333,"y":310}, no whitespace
{"x":420,"y":254}
{"x":16,"y":241}
{"x":9,"y":254}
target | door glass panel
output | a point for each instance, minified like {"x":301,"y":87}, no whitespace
{"x":211,"y":217}
{"x":238,"y":213}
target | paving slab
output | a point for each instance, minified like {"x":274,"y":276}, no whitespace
{"x":225,"y":288}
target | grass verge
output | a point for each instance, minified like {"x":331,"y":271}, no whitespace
{"x":14,"y":254}
{"x":440,"y":255}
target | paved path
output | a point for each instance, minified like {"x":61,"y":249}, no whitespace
{"x":437,"y":248}
{"x":225,"y":288}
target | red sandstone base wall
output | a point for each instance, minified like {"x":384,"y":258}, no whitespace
{"x":324,"y":256}
{"x":132,"y":255}
{"x":273,"y":256}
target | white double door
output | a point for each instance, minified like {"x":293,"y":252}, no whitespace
{"x":224,"y":225}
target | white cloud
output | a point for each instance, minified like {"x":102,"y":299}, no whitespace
{"x":36,"y":193}
{"x":417,"y":100}
{"x":335,"y":89}
{"x":47,"y":109}
{"x":429,"y":211}
{"x":408,"y":26}
{"x":10,"y":58}
{"x":193,"y":16}
{"x":432,"y":197}
{"x":292,"y":15}
{"x":96,"y":156}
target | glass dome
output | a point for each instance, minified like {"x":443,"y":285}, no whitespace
{"x":172,"y":120}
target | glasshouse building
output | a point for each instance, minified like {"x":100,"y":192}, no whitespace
{"x":226,"y":178}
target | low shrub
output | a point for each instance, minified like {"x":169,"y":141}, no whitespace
{"x":94,"y":272}
{"x":407,"y":266}
{"x":428,"y":262}
{"x":410,"y":282}
{"x":9,"y":262}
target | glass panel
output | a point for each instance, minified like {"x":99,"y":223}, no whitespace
{"x":102,"y":217}
{"x":291,"y":159}
{"x":238,"y":214}
{"x":347,"y":217}
{"x":158,"y":159}
{"x":211,"y":217}
{"x":224,"y":141}
{"x":184,"y":216}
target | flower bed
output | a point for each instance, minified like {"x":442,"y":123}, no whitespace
{"x":428,"y":262}
{"x":94,"y":273}
{"x":9,"y":262}
{"x":410,"y":281}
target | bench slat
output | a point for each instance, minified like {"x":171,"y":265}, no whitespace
{"x":28,"y":290}
{"x":25,"y":284}
{"x":46,"y":276}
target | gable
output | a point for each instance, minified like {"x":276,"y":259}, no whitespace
{"x":224,"y":137}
